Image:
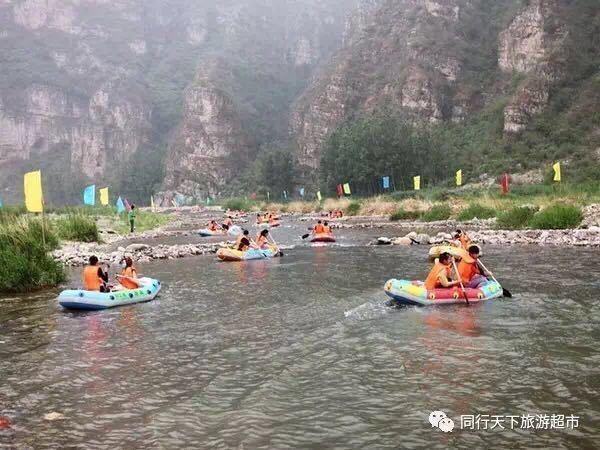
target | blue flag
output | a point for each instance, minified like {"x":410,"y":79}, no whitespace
{"x":285,"y":194}
{"x":120,"y":205}
{"x":89,"y":195}
{"x":1,"y":203}
{"x":302,"y":192}
{"x":386,"y":182}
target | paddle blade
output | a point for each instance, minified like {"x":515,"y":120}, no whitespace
{"x":506,"y":293}
{"x":305,"y":236}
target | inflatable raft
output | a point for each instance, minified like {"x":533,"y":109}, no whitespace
{"x":228,"y":254}
{"x":457,"y":252}
{"x":323,"y":237}
{"x":233,"y":231}
{"x":407,"y":292}
{"x":94,"y":300}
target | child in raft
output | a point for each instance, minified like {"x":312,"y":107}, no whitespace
{"x":471,"y":274}
{"x":94,"y":277}
{"x":440,"y":276}
{"x":212,"y":225}
{"x":242,"y":242}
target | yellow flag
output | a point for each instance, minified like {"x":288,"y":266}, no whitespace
{"x":34,"y":199}
{"x":347,"y":188}
{"x":152,"y":202}
{"x":104,"y":196}
{"x":556,"y":168}
{"x":417,"y":182}
{"x":319,"y":197}
{"x":459,"y":177}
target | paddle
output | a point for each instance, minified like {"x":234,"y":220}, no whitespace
{"x":275,"y":244}
{"x":462,"y":286}
{"x":304,"y":236}
{"x":505,"y":292}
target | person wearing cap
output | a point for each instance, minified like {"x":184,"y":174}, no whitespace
{"x":469,"y":270}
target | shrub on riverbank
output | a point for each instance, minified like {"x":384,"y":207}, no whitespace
{"x":557,"y":217}
{"x":353,"y":209}
{"x":238,"y":204}
{"x":77,"y":227}
{"x":515,"y":218}
{"x":402,"y":214}
{"x":437,"y":212}
{"x":25,"y":260}
{"x":476,"y":210}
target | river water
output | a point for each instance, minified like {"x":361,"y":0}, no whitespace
{"x":301,"y":352}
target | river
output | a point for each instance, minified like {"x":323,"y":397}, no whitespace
{"x":301,"y":352}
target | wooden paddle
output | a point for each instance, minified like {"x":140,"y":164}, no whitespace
{"x":460,"y":281}
{"x":505,"y":292}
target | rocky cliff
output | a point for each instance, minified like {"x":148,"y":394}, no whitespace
{"x":444,"y":61}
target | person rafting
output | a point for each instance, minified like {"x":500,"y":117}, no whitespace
{"x":212,"y":225}
{"x":227,"y":222}
{"x":262,"y":240}
{"x":318,"y":228}
{"x":94,"y":278}
{"x":131,"y":217}
{"x":441,"y":274}
{"x":326,"y":228}
{"x":463,"y":238}
{"x":259,"y":219}
{"x":242,"y":242}
{"x":128,"y":277}
{"x":469,"y":270}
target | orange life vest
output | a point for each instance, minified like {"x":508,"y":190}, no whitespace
{"x":326,"y":229}
{"x":433,"y":281}
{"x":91,"y":280}
{"x":467,"y":270}
{"x":127,"y":283}
{"x":319,"y":228}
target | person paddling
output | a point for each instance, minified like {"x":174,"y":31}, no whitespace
{"x":440,"y":274}
{"x":318,"y":228}
{"x":94,"y":278}
{"x":242,"y":242}
{"x":465,"y":241}
{"x":212,"y":225}
{"x":262,"y":240}
{"x":327,"y":228}
{"x":128,"y":277}
{"x":470,"y":272}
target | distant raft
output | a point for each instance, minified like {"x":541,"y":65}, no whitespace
{"x":228,"y":254}
{"x":94,"y":300}
{"x":233,"y":231}
{"x":406,"y":292}
{"x":323,"y":237}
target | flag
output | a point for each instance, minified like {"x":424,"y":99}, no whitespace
{"x":459,"y":177}
{"x":152,"y":202}
{"x":120,"y":205}
{"x":319,"y":196}
{"x":301,"y":192}
{"x":89,"y":195}
{"x":174,"y":203}
{"x":1,"y":203}
{"x":417,"y":182}
{"x":208,"y":200}
{"x":34,"y":198}
{"x":127,"y":205}
{"x":504,"y":181}
{"x":557,"y":174}
{"x":285,"y":194}
{"x":347,"y":188}
{"x":340,"y":190}
{"x":386,"y":182}
{"x":104,"y":196}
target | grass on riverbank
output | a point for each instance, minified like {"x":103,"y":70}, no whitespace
{"x":144,"y":221}
{"x":77,"y":227}
{"x":25,"y":260}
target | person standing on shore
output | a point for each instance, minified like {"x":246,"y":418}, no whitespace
{"x":131,"y":217}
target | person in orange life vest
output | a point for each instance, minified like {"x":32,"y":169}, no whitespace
{"x":128,"y":277}
{"x":242,"y":242}
{"x":262,"y":241}
{"x":440,"y":274}
{"x":94,"y":278}
{"x":212,"y":225}
{"x":465,"y":241}
{"x":318,"y":228}
{"x":326,"y":228}
{"x":469,"y":270}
